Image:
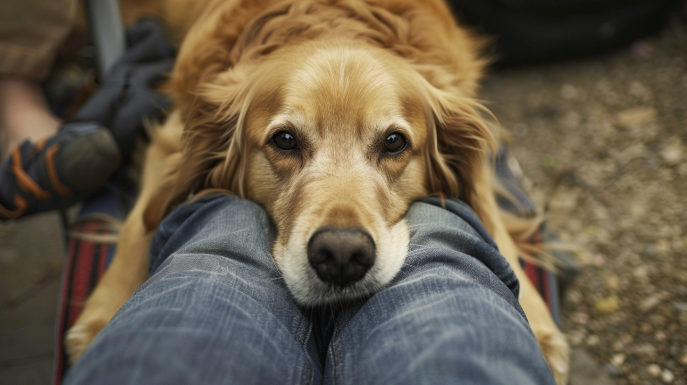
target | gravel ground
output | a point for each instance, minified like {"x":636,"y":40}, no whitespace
{"x":603,"y":143}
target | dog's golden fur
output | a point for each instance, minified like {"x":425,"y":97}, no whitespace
{"x":340,"y":76}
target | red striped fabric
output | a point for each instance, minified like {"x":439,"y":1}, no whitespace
{"x":86,"y":263}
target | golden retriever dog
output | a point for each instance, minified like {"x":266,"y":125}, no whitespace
{"x":333,"y":115}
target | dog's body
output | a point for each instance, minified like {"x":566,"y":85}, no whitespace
{"x":333,"y":115}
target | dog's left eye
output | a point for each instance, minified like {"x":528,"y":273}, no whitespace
{"x":394,"y":143}
{"x":284,"y":141}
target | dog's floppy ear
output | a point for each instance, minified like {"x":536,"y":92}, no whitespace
{"x":213,"y":86}
{"x":209,"y":45}
{"x":211,"y":147}
{"x":459,"y":143}
{"x":226,"y":33}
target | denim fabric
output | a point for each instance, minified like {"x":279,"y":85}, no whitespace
{"x":216,"y":311}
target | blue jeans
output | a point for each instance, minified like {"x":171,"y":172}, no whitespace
{"x":216,"y":311}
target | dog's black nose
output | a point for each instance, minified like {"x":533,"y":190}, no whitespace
{"x":341,"y":256}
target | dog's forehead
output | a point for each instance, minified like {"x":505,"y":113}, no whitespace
{"x":343,"y":88}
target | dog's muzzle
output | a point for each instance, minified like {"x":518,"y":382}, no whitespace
{"x":341,"y":257}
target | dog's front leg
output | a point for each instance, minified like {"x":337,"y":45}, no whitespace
{"x":551,"y":339}
{"x":129,"y":268}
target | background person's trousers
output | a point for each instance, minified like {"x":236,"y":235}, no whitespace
{"x":30,"y":33}
{"x":216,"y":311}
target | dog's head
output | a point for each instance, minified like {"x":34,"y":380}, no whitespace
{"x":334,"y":138}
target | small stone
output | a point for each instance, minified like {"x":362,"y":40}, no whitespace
{"x":575,"y":337}
{"x":621,"y":342}
{"x":637,"y":89}
{"x":633,"y":152}
{"x":660,"y":336}
{"x":580,"y":318}
{"x":612,"y":370}
{"x":641,"y":272}
{"x":644,"y":349}
{"x":663,"y":246}
{"x":651,"y":302}
{"x":563,"y":201}
{"x":568,"y":91}
{"x":592,"y":340}
{"x":673,"y":153}
{"x":680,"y":306}
{"x":585,"y":258}
{"x":598,"y":260}
{"x":653,"y":370}
{"x":612,"y":282}
{"x":636,"y":116}
{"x":683,"y":359}
{"x":650,"y":250}
{"x":574,"y":296}
{"x":618,"y":359}
{"x":667,"y":376}
{"x":608,"y":305}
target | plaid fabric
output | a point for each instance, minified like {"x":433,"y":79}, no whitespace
{"x":546,"y":283}
{"x":87,"y":260}
{"x":86,"y":263}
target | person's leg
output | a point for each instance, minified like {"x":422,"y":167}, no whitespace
{"x":215,"y":310}
{"x":30,"y":34}
{"x":450,"y":316}
{"x":24,"y":113}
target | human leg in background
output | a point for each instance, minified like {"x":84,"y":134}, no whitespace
{"x":78,"y":160}
{"x":214,"y":311}
{"x":30,"y":33}
{"x":24,"y":113}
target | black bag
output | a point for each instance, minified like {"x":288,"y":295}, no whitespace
{"x":535,"y":31}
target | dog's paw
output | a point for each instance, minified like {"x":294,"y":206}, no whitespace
{"x":79,"y":336}
{"x":557,"y":354}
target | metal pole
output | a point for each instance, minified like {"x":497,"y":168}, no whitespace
{"x":108,"y":33}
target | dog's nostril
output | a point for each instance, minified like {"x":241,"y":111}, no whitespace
{"x":341,"y":256}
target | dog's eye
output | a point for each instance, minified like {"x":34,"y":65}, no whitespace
{"x":394,"y":143}
{"x":284,"y":141}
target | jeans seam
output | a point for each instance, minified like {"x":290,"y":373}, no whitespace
{"x":308,"y":373}
{"x":335,"y":358}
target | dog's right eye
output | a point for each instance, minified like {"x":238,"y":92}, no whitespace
{"x":284,"y":141}
{"x":394,"y":143}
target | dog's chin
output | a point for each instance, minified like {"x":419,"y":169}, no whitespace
{"x":309,"y":290}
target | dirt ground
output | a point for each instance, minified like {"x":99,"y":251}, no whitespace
{"x":602,"y":142}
